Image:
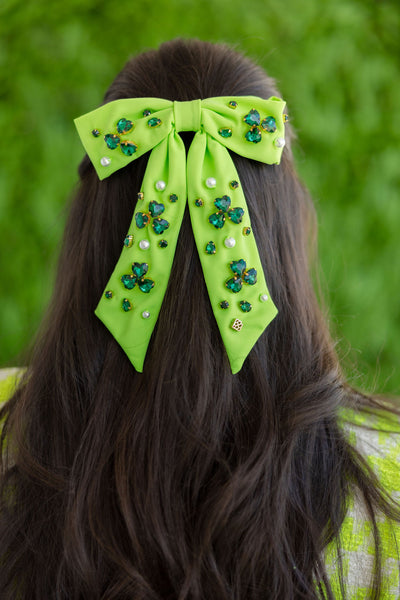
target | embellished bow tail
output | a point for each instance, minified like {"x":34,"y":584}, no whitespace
{"x":118,"y":132}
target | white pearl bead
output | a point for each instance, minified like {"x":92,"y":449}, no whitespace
{"x":145,"y":314}
{"x":144,"y":244}
{"x":211,"y":182}
{"x":230,"y":242}
{"x":160,"y":185}
{"x":263,"y":297}
{"x":105,"y":161}
{"x":279,"y":142}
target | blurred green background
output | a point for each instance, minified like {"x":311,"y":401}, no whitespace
{"x":337,"y":66}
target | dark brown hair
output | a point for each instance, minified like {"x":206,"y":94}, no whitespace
{"x":184,"y":482}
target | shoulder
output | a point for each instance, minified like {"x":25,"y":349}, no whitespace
{"x":376,"y":435}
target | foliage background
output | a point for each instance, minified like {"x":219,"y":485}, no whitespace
{"x":337,"y":66}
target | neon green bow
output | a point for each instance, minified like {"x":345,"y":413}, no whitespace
{"x":118,"y":132}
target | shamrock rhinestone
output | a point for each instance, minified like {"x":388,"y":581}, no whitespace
{"x":252,"y":118}
{"x":142,"y":219}
{"x":268,"y":124}
{"x":124,"y":125}
{"x":112,"y":140}
{"x":210,"y":248}
{"x":254,"y":135}
{"x":155,"y":210}
{"x":128,"y":148}
{"x":238,"y":267}
{"x":223,"y":204}
{"x":137,"y":277}
{"x":160,"y":225}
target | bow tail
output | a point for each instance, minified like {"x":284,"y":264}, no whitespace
{"x":228,"y":252}
{"x":133,"y":296}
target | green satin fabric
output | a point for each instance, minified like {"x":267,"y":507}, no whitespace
{"x":186,"y":181}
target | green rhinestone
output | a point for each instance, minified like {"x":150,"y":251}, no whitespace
{"x":217,"y":219}
{"x":160,"y":225}
{"x":223,"y":203}
{"x":225,"y":132}
{"x":108,"y":294}
{"x":234,"y":284}
{"x":111,"y":140}
{"x":163,"y":243}
{"x":124,"y":125}
{"x":95,"y":132}
{"x":140,"y":196}
{"x":210,"y":248}
{"x":236,"y":215}
{"x":145,"y":285}
{"x":269,"y":124}
{"x":254,"y":135}
{"x":128,"y":241}
{"x":245,"y":306}
{"x":199,"y":202}
{"x":234,"y":185}
{"x":139,"y":269}
{"x":238,"y":266}
{"x":126,"y":305}
{"x":233,"y":104}
{"x":173,"y":197}
{"x":246,"y":231}
{"x":129,"y":281}
{"x":285,"y":118}
{"x":252,"y":118}
{"x":156,"y":208}
{"x":142,"y":219}
{"x":250,"y":276}
{"x":128,"y":148}
{"x":154,"y":122}
{"x":146,"y":113}
{"x":224,"y":304}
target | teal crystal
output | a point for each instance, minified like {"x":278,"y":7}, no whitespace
{"x":269,"y":124}
{"x":156,"y":208}
{"x":126,"y":305}
{"x":217,"y":219}
{"x":163,"y":243}
{"x":254,"y":135}
{"x":225,"y":132}
{"x":234,"y":184}
{"x":236,"y":214}
{"x":129,"y":281}
{"x":210,"y":248}
{"x":154,"y":122}
{"x":246,"y":230}
{"x":245,"y":306}
{"x":128,"y":148}
{"x":128,"y":241}
{"x":173,"y":197}
{"x":112,"y":140}
{"x":234,"y":284}
{"x":224,"y":304}
{"x":124,"y":125}
{"x":146,"y":112}
{"x":238,"y":266}
{"x":250,"y":276}
{"x":233,"y":104}
{"x":145,"y":285}
{"x":252,"y":118}
{"x":142,"y":219}
{"x":95,"y":132}
{"x":199,"y":202}
{"x":139,"y":269}
{"x":108,"y":294}
{"x":223,"y":203}
{"x":160,"y":225}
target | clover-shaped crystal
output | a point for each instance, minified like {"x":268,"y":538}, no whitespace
{"x":241,"y":275}
{"x":139,"y":270}
{"x":155,"y":210}
{"x":224,"y":205}
{"x":113,"y":140}
{"x":254,"y":120}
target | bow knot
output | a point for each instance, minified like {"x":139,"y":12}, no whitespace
{"x":187,"y":115}
{"x":122,"y":130}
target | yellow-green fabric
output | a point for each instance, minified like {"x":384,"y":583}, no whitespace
{"x":382,"y":450}
{"x":118,"y":132}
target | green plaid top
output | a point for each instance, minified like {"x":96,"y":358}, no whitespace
{"x":381,"y":447}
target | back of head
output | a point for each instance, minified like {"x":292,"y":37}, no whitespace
{"x":182,"y":481}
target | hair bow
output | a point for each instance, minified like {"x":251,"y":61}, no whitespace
{"x":118,"y":132}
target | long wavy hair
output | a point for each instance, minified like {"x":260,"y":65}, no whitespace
{"x":184,"y":481}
